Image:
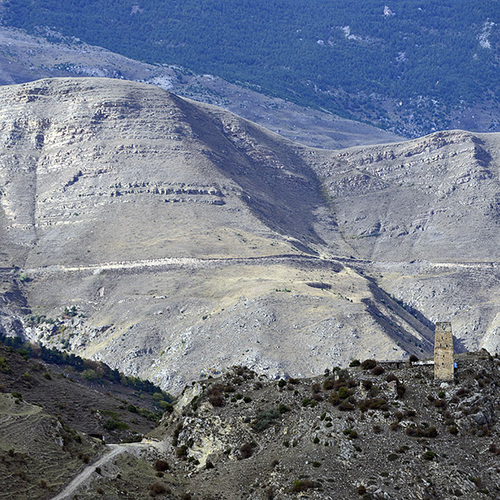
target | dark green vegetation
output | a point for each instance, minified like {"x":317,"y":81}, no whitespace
{"x":90,"y":370}
{"x":410,"y":69}
{"x":87,"y":395}
{"x":396,"y":434}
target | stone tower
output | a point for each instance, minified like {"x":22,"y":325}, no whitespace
{"x":443,"y":352}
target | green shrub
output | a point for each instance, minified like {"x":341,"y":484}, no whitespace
{"x":24,"y":278}
{"x":4,"y":367}
{"x":328,"y":384}
{"x":429,"y":455}
{"x":378,"y":370}
{"x":300,"y":485}
{"x":162,"y":465}
{"x":110,"y":425}
{"x":344,"y":392}
{"x":350,"y":433}
{"x":368,"y":364}
{"x":354,"y":362}
{"x":90,"y":375}
{"x":265,"y":419}
{"x":334,"y":398}
{"x":283,"y":408}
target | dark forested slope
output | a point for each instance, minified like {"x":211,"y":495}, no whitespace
{"x":410,"y":66}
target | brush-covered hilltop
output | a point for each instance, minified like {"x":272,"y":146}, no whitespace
{"x":171,"y":239}
{"x":374,"y":431}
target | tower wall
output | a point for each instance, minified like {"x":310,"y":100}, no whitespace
{"x":443,"y":352}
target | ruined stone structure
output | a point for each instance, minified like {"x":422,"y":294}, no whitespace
{"x":443,"y":352}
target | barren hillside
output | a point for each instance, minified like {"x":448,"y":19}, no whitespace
{"x":186,"y":239}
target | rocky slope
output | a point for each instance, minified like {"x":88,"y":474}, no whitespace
{"x":383,"y":433}
{"x":426,"y":213}
{"x":187,"y":239}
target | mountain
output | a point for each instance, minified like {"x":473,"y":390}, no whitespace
{"x":408,"y":67}
{"x":172,"y":239}
{"x":426,"y":213}
{"x":25,"y":58}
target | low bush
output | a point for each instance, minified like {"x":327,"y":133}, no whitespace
{"x":162,"y":465}
{"x":401,"y":390}
{"x":346,"y":406}
{"x":328,"y":384}
{"x":367,"y":384}
{"x":374,"y":404}
{"x":265,"y":419}
{"x":368,"y":364}
{"x":157,"y":489}
{"x":300,"y":485}
{"x":417,"y":431}
{"x":246,"y":451}
{"x":315,"y":388}
{"x":215,"y":395}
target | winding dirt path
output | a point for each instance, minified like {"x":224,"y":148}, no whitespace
{"x":113,"y":451}
{"x":178,"y":262}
